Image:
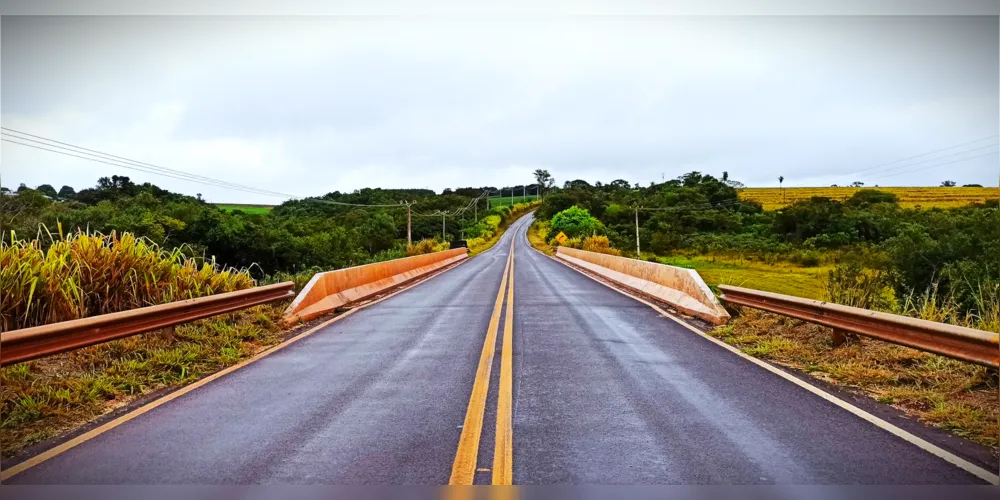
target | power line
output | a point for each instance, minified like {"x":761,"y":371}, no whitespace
{"x":944,"y":157}
{"x":122,"y":162}
{"x":918,"y":156}
{"x":936,"y":165}
{"x":107,"y":156}
{"x":117,"y":164}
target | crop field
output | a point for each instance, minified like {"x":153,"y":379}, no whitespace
{"x":909,"y":197}
{"x":250,"y":209}
{"x":506,"y":200}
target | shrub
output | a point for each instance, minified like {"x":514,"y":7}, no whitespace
{"x":575,"y":222}
{"x":426,"y":246}
{"x":599,"y":244}
{"x":859,"y":281}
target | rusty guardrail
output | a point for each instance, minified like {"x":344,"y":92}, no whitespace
{"x":958,"y":342}
{"x":31,"y":343}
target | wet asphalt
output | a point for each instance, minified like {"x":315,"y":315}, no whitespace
{"x":605,"y":391}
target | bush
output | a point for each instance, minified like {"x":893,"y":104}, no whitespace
{"x":859,"y":281}
{"x":425,"y":246}
{"x":575,"y":222}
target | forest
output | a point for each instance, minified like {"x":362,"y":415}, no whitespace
{"x":882,"y":253}
{"x":326,"y":232}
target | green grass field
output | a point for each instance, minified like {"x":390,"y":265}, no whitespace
{"x":789,"y":279}
{"x":249,"y":209}
{"x":504,"y":201}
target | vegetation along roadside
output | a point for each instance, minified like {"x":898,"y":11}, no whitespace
{"x":867,"y":250}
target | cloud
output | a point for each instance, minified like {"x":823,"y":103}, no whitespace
{"x":310,"y":105}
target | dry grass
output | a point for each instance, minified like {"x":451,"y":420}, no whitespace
{"x":426,"y":246}
{"x":536,"y":236}
{"x":89,"y":274}
{"x":956,"y":396}
{"x":909,"y":197}
{"x":44,"y":398}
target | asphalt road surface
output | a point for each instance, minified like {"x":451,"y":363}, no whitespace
{"x":605,"y":390}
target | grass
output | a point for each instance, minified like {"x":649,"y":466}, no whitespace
{"x":43,"y":398}
{"x":506,"y":201}
{"x":84,"y":274}
{"x":789,"y":279}
{"x":249,"y":209}
{"x":955,"y":396}
{"x":909,"y":197}
{"x":536,"y":236}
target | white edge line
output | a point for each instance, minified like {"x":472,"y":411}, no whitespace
{"x":921,"y":443}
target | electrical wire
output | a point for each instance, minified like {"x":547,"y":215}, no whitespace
{"x":67,"y":149}
{"x":917,"y":156}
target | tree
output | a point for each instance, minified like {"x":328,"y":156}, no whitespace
{"x":22,"y":188}
{"x":47,"y":190}
{"x":972,"y":185}
{"x":67,"y":192}
{"x":544,"y":180}
{"x":781,"y":179}
{"x":948,"y":184}
{"x":575,"y":222}
{"x":620,"y":184}
{"x":857,"y":184}
{"x":867,"y":197}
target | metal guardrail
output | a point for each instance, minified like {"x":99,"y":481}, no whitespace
{"x":26,"y":344}
{"x":966,"y":344}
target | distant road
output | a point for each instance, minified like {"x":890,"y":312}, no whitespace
{"x":605,"y":390}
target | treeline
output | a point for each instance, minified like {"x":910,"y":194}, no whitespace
{"x":312,"y":233}
{"x":953,"y":251}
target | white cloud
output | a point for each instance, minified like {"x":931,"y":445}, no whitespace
{"x":310,"y":105}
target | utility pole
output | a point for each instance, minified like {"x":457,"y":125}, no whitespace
{"x":638,"y":254}
{"x":443,"y":215}
{"x":512,"y":196}
{"x":409,"y":226}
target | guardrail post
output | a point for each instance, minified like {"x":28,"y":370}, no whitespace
{"x":167,"y":333}
{"x":841,"y":336}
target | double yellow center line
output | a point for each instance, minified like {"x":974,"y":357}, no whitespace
{"x":463,"y":471}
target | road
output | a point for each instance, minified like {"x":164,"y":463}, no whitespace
{"x":604,"y":390}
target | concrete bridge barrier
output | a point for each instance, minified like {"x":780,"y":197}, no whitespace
{"x":681,"y":288}
{"x":332,"y":289}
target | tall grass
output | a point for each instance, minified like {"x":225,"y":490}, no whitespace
{"x":855,"y":285}
{"x":83,"y":274}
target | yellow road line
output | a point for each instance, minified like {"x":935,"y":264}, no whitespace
{"x":97,"y":431}
{"x":503,"y":451}
{"x":463,"y":470}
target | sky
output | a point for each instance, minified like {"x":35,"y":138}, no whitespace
{"x":308,"y":105}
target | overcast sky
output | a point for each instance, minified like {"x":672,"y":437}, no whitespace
{"x":310,"y":105}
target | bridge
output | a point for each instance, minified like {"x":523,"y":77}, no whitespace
{"x":512,"y":367}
